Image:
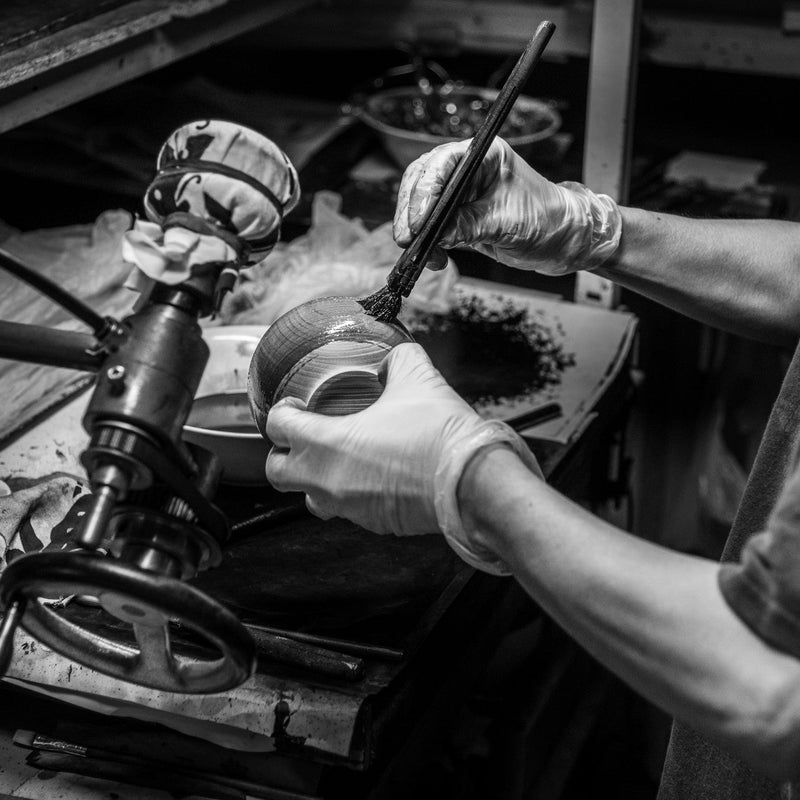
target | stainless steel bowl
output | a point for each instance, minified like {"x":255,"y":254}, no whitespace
{"x":220,"y":419}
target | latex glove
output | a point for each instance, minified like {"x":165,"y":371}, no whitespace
{"x":393,"y":467}
{"x":511,"y":212}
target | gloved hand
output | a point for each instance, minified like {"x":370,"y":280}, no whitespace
{"x":511,"y":212}
{"x":393,"y":467}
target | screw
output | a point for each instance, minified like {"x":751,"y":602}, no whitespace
{"x":116,"y":379}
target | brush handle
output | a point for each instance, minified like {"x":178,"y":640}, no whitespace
{"x":411,"y":263}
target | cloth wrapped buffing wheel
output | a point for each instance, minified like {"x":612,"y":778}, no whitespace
{"x":219,"y":197}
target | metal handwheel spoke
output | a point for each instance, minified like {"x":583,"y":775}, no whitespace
{"x":155,"y":652}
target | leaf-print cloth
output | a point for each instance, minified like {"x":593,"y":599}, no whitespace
{"x":219,"y":197}
{"x":43,"y":515}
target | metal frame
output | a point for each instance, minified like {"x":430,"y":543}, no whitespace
{"x":609,"y":120}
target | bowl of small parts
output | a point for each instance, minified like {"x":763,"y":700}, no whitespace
{"x":220,"y":419}
{"x":410,"y":124}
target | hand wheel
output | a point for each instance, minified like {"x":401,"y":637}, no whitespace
{"x":147,"y":601}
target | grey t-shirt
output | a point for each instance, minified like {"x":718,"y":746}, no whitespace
{"x":760,"y":579}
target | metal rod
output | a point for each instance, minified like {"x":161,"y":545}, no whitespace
{"x":535,"y":416}
{"x":321,"y":660}
{"x":362,"y":649}
{"x":52,"y":347}
{"x":52,"y":290}
{"x":263,"y":521}
{"x":96,"y":520}
{"x":13,"y":616}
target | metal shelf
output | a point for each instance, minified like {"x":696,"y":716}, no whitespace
{"x":716,"y":42}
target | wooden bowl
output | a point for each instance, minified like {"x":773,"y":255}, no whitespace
{"x":327,"y":353}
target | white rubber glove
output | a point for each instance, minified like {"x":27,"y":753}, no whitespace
{"x":394,"y":467}
{"x":511,"y":212}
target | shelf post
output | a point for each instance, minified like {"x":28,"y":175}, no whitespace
{"x":613,"y":68}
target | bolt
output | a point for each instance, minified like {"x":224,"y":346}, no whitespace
{"x":116,"y":379}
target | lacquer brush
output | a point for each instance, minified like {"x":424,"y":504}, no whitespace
{"x":385,"y":304}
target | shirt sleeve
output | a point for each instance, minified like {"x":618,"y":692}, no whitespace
{"x":763,"y":589}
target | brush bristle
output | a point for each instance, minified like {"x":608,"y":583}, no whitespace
{"x":384,"y":305}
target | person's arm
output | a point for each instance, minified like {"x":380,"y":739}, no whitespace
{"x":739,"y":275}
{"x":420,"y":460}
{"x":655,"y":617}
{"x":742,"y":275}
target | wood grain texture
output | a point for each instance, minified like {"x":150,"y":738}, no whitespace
{"x":24,"y":21}
{"x":49,"y":47}
{"x":330,"y":341}
{"x":42,"y":74}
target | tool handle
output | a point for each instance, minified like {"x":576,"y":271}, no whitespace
{"x":412,"y":261}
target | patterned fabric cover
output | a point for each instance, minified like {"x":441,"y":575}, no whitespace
{"x":219,"y":196}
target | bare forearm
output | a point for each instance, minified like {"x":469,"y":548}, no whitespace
{"x":654,"y":617}
{"x":739,"y":275}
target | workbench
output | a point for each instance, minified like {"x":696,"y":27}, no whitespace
{"x":422,"y":646}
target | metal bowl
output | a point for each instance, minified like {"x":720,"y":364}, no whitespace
{"x":541,"y":122}
{"x":220,"y":419}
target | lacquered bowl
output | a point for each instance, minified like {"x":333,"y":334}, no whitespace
{"x":220,"y":419}
{"x":326,"y":352}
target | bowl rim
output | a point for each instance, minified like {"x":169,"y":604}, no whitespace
{"x":233,"y":435}
{"x":366,"y":113}
{"x":233,"y":330}
{"x":244,"y":332}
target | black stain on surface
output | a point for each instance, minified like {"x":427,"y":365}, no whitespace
{"x":491,"y":353}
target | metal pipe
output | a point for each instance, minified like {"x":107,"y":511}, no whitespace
{"x":96,"y":520}
{"x":54,"y":348}
{"x":52,"y":290}
{"x":13,"y":616}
